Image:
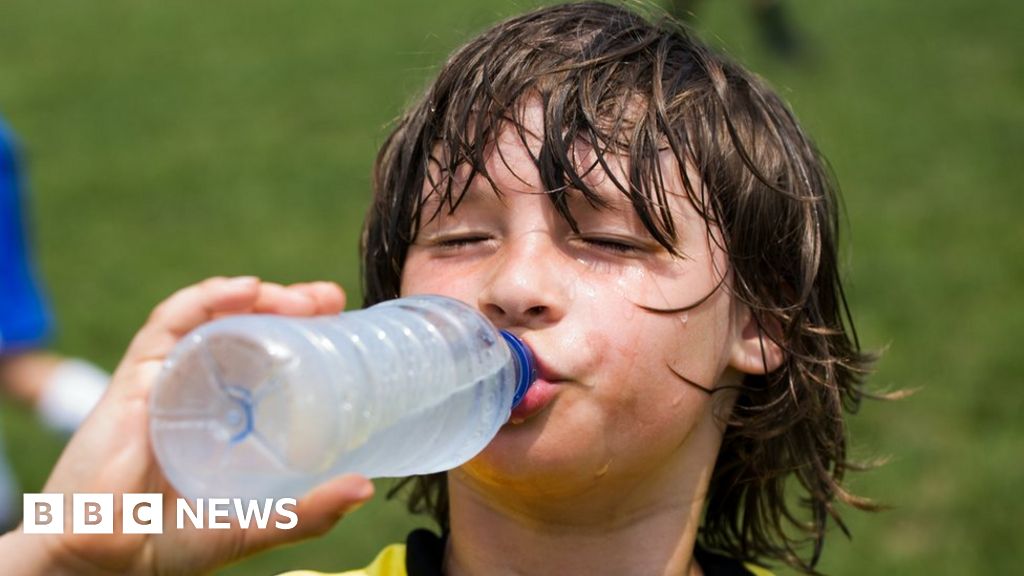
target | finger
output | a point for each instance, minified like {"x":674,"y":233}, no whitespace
{"x":189,"y":307}
{"x":317,"y":512}
{"x":277,"y":299}
{"x":329,"y":297}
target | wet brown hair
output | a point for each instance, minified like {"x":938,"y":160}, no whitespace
{"x":611,"y":78}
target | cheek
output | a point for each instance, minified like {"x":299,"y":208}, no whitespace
{"x":637,"y":388}
{"x":634,"y":356}
{"x":420,"y":276}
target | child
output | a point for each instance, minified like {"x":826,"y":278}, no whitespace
{"x":651,"y":220}
{"x":60,"y":389}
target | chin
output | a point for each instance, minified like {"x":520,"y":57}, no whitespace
{"x":521,"y":458}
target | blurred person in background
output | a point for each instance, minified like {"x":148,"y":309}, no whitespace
{"x":62,"y":390}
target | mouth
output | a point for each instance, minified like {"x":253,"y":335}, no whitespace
{"x":538,"y":397}
{"x":540,"y":394}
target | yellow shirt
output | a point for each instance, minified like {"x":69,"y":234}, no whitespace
{"x":391,"y":562}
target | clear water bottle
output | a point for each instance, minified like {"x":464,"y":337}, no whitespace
{"x":258,"y":406}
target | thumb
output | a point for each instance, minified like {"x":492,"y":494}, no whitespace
{"x":317,"y":512}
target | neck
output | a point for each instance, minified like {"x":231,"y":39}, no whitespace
{"x":643,"y":526}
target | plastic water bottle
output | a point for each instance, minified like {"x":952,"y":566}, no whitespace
{"x":259,"y":406}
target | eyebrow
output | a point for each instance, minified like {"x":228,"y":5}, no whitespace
{"x":604,"y":196}
{"x":440,"y":200}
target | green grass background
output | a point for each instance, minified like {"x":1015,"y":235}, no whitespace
{"x":169,"y":141}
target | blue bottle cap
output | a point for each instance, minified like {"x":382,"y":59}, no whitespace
{"x":526,"y":366}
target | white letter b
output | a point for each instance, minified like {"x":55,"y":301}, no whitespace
{"x":43,"y":513}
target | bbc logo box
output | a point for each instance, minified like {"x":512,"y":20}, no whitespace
{"x":93,"y":513}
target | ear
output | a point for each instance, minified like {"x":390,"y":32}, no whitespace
{"x":754,"y":349}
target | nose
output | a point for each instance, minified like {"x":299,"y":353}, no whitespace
{"x":527,"y":287}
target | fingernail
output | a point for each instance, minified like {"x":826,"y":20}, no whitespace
{"x":301,"y":297}
{"x":242,"y":281}
{"x":364,"y":491}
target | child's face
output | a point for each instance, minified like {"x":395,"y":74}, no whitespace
{"x":608,"y":407}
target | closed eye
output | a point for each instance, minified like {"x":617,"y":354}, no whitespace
{"x":610,"y":244}
{"x":457,"y":242}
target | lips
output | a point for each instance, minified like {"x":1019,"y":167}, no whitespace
{"x":540,"y":394}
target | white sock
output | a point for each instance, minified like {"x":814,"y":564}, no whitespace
{"x":70,"y":394}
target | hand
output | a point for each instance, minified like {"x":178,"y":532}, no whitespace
{"x":111,"y":452}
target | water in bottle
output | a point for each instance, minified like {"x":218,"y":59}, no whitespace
{"x":259,"y":406}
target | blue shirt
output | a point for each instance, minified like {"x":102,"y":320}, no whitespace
{"x":25,"y":319}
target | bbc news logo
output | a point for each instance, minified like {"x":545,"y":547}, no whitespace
{"x":144,"y":513}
